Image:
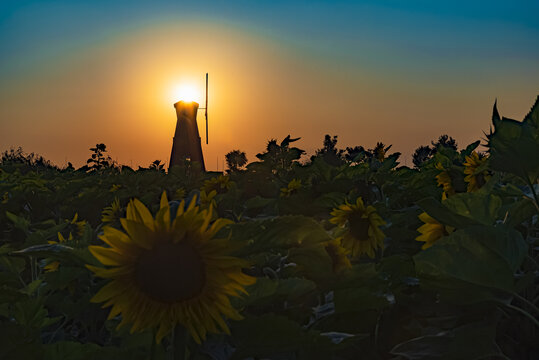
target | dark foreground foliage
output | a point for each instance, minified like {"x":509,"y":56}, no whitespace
{"x":473,"y":294}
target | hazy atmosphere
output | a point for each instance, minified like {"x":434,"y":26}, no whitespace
{"x":73,"y":74}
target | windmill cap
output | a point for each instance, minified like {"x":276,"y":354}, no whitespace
{"x":185,"y":103}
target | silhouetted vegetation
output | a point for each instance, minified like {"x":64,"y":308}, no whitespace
{"x":98,"y":159}
{"x":354,"y":256}
{"x":422,"y":154}
{"x":445,"y":141}
{"x":235,"y":160}
{"x":24,"y":162}
{"x":329,"y":152}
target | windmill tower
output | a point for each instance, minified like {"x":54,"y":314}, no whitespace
{"x":186,"y":142}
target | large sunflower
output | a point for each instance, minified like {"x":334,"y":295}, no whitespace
{"x":475,"y":178}
{"x":444,"y":180}
{"x":432,"y":230}
{"x":363,"y":235}
{"x":163,"y":273}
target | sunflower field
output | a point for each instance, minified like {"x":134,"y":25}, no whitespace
{"x":343,"y":256}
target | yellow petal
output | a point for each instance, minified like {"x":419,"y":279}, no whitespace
{"x":164,"y":329}
{"x":108,"y":256}
{"x":108,"y":291}
{"x":112,"y":272}
{"x":117,"y":240}
{"x":426,"y":218}
{"x":143,"y":214}
{"x":138,"y":232}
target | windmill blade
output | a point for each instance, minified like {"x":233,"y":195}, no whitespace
{"x":206,"y":110}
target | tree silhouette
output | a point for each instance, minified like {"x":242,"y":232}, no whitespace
{"x":353,"y":154}
{"x":378,"y":152}
{"x":17,"y":157}
{"x":445,"y":141}
{"x":329,"y":151}
{"x":422,"y":154}
{"x":235,"y":160}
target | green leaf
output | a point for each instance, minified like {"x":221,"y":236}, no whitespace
{"x":532,"y":117}
{"x":443,"y":214}
{"x":270,"y":291}
{"x":19,"y":222}
{"x":468,"y":342}
{"x":52,"y":251}
{"x":32,"y":314}
{"x":330,"y":200}
{"x":513,"y":143}
{"x":12,"y":265}
{"x":258,"y":202}
{"x":519,"y":211}
{"x":278,"y":233}
{"x":42,"y":236}
{"x":469,"y":149}
{"x":272,"y":336}
{"x":32,"y":287}
{"x":464,"y":209}
{"x":312,"y":262}
{"x":10,"y":295}
{"x":18,"y":342}
{"x":359,"y":299}
{"x":69,"y":350}
{"x":484,"y":256}
{"x":64,"y":276}
{"x":478,"y":206}
{"x":5,"y":249}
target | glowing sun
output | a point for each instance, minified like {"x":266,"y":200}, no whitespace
{"x":186,"y":92}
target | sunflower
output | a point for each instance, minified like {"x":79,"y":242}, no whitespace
{"x":364,"y":235}
{"x":163,"y":272}
{"x":62,"y":239}
{"x":338,"y":255}
{"x":207,"y":200}
{"x":53,"y":265}
{"x":292,"y":187}
{"x":75,"y":226}
{"x":179,"y":194}
{"x":431,"y":230}
{"x":444,"y":180}
{"x":112,"y":213}
{"x":475,"y":178}
{"x":115,"y":187}
{"x":219,"y":183}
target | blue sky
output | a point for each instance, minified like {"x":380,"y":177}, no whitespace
{"x":34,"y":31}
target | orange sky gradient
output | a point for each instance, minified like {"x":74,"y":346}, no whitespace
{"x":120,"y":92}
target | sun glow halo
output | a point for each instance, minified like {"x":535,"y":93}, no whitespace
{"x":186,"y":92}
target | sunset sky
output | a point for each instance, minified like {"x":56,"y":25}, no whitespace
{"x":77,"y":73}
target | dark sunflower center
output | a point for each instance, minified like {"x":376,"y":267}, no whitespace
{"x":359,"y":227}
{"x":170,"y":272}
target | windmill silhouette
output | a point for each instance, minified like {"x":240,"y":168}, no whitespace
{"x":186,"y":143}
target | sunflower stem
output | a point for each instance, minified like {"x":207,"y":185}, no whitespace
{"x":152,"y":345}
{"x":531,"y":185}
{"x":179,"y":343}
